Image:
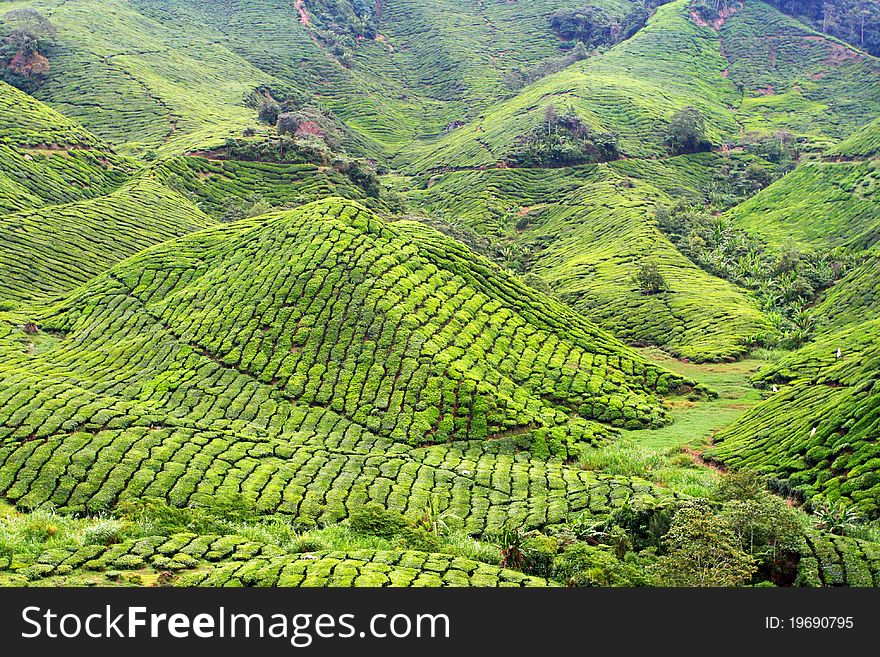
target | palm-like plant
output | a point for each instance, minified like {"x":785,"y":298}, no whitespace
{"x":433,"y":520}
{"x":835,"y":517}
{"x":512,"y":542}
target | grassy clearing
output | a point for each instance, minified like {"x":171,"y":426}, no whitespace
{"x":668,"y":456}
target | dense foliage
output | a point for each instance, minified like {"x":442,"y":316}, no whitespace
{"x":787,"y":283}
{"x":26,"y":37}
{"x":563,"y":141}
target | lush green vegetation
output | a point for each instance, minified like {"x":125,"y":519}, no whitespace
{"x":863,"y":143}
{"x":343,"y":293}
{"x":817,"y":206}
{"x":586,"y":231}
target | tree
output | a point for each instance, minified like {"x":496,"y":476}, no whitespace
{"x":30,"y":22}
{"x":703,"y":550}
{"x":22,"y":50}
{"x":550,"y":116}
{"x":687,"y":132}
{"x":649,"y":279}
{"x":268,"y":111}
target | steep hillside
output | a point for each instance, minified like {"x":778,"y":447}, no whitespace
{"x":819,"y":205}
{"x":182,"y":90}
{"x":186,"y":68}
{"x":283,"y":356}
{"x":863,"y":143}
{"x":818,"y":433}
{"x":814,"y":86}
{"x":50,"y":251}
{"x":855,"y":299}
{"x":633,"y":90}
{"x":797,"y":79}
{"x":28,"y":122}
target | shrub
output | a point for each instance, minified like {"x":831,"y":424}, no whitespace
{"x":703,"y":549}
{"x":103,"y":531}
{"x":539,"y":551}
{"x":586,"y":565}
{"x":649,"y":279}
{"x":646,"y":526}
{"x":512,"y":543}
{"x":376,"y":520}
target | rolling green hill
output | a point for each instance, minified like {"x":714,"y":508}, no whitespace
{"x":797,"y":79}
{"x":161,"y":388}
{"x":28,"y":122}
{"x":818,"y":433}
{"x":815,"y":87}
{"x":863,"y":143}
{"x":468,"y":305}
{"x":50,"y":251}
{"x":819,"y":205}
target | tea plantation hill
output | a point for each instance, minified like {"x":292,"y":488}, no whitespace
{"x":30,"y":176}
{"x":864,"y":143}
{"x":814,"y":86}
{"x":794,"y":78}
{"x":71,"y":210}
{"x":586,"y":231}
{"x":70,"y":207}
{"x":817,"y":434}
{"x":312,"y":359}
{"x":184,"y":66}
{"x":137,"y":389}
{"x":820,"y":205}
{"x":308,"y":360}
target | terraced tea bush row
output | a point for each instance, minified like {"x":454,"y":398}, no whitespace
{"x":31,"y":178}
{"x":818,"y":205}
{"x":213,"y":185}
{"x":50,"y":251}
{"x":28,"y":122}
{"x":323,"y":471}
{"x":839,"y":561}
{"x":818,"y":434}
{"x":229,"y":560}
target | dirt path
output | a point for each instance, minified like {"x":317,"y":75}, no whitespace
{"x":303,"y":14}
